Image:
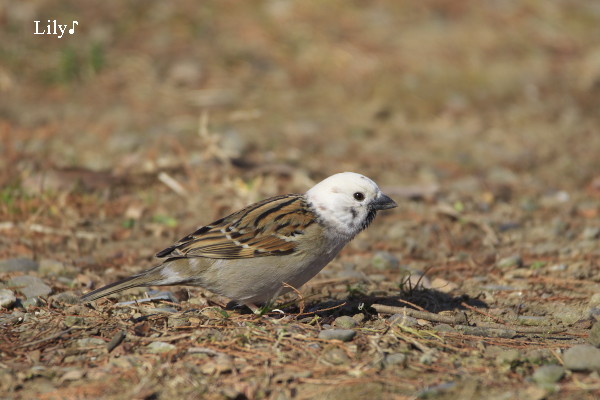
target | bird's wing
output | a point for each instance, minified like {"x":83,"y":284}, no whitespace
{"x":267,"y":228}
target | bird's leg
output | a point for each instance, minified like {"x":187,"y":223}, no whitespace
{"x":266,"y":307}
{"x":254,"y":308}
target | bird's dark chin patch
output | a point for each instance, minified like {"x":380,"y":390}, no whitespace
{"x":354,"y":213}
{"x":370,"y":217}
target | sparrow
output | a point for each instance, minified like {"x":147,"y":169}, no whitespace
{"x":256,"y":254}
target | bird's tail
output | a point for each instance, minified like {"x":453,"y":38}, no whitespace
{"x":146,"y":278}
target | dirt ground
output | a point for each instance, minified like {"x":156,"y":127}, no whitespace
{"x":480,"y":118}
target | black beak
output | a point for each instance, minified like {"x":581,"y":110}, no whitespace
{"x":382,"y":202}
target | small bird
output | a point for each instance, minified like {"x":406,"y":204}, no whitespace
{"x":256,"y":254}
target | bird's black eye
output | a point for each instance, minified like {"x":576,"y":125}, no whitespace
{"x":359,"y":196}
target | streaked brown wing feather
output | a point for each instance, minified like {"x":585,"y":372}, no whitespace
{"x":266,"y":228}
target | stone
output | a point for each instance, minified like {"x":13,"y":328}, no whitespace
{"x":591,"y":233}
{"x":510,"y":261}
{"x":73,"y":320}
{"x":220,"y":365}
{"x":345,"y":322}
{"x":548,"y":374}
{"x":7,"y":298}
{"x":395,"y":359}
{"x":344,"y":335}
{"x":74,"y":374}
{"x":594,"y":336}
{"x":160,"y":347}
{"x":568,"y":315}
{"x":508,"y":356}
{"x":87,"y":342}
{"x":594,"y":301}
{"x":31,"y":302}
{"x":18,"y":265}
{"x":403,"y":320}
{"x":444,"y":286}
{"x":65,"y":297}
{"x":360,"y":317}
{"x":30,"y":286}
{"x":335,"y":356}
{"x":582,"y":357}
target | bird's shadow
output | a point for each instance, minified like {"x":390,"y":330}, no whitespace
{"x":430,"y":300}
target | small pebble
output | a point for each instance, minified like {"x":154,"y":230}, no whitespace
{"x":568,"y":315}
{"x":335,"y":356}
{"x":221,"y":364}
{"x":582,"y":357}
{"x":402,"y":319}
{"x":31,"y":302}
{"x":442,"y":285}
{"x":360,"y":317}
{"x":395,"y":359}
{"x":558,"y":267}
{"x":594,"y":300}
{"x":428,"y":357}
{"x":510,"y":261}
{"x":86,"y":342}
{"x":591,"y":233}
{"x":594,"y":336}
{"x":65,"y":297}
{"x":345,"y":322}
{"x":160,"y":347}
{"x":73,"y":375}
{"x":548,"y":374}
{"x":73,"y":320}
{"x":344,"y":335}
{"x":30,"y":286}
{"x":18,"y":265}
{"x":7,"y":298}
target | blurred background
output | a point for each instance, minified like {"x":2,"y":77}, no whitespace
{"x":479,"y":117}
{"x":162,"y":111}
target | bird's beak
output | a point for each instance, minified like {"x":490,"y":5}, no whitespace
{"x":382,"y":202}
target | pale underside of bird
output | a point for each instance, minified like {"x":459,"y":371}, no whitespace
{"x":262,"y":251}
